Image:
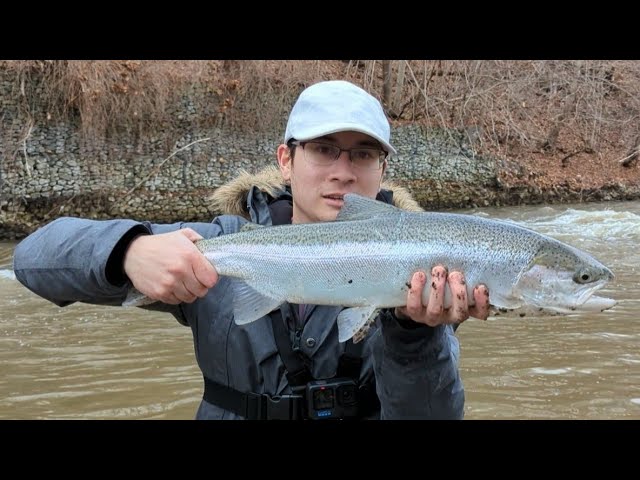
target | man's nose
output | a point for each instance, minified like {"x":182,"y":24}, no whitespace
{"x":345,"y":155}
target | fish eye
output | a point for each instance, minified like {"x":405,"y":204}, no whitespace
{"x":583,"y":276}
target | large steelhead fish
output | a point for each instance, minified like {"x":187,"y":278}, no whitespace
{"x":366,"y":258}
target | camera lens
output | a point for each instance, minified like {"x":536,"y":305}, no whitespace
{"x":347,"y":395}
{"x":323,"y":398}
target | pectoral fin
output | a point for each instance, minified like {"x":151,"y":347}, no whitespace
{"x":249,"y":304}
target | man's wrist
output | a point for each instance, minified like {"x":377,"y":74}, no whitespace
{"x":407,"y":322}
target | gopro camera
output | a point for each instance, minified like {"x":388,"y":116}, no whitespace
{"x":332,"y":399}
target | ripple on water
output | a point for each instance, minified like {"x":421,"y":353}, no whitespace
{"x":550,"y":371}
{"x":8,"y":274}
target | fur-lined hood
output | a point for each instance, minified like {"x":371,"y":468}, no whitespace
{"x":232,"y":197}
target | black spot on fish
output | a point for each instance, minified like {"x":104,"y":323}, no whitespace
{"x":408,"y":285}
{"x":350,"y":281}
{"x":522,"y":315}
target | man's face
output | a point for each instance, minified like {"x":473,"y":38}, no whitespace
{"x":318,"y":189}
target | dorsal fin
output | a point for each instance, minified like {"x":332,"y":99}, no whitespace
{"x":247,"y":227}
{"x":357,"y":207}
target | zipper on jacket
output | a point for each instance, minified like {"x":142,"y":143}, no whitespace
{"x":297,"y":336}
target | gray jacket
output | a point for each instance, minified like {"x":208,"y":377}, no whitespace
{"x":415,"y":370}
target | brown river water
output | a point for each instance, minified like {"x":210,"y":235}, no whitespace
{"x":90,"y":362}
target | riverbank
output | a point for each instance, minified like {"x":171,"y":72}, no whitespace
{"x":20,"y":217}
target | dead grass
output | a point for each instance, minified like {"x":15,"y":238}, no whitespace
{"x":108,"y":95}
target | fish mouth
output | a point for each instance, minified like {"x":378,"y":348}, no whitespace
{"x":587,"y":301}
{"x":598,"y":304}
{"x":593,"y":304}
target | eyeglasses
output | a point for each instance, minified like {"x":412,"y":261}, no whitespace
{"x":325,"y":154}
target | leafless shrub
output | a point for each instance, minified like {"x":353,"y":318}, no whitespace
{"x":107,"y":95}
{"x":567,"y":106}
{"x":258,"y":94}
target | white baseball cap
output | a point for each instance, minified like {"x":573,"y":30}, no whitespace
{"x":337,"y":106}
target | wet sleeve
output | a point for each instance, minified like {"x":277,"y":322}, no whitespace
{"x":416,"y":369}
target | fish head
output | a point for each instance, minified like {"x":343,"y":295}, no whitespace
{"x":563,"y":279}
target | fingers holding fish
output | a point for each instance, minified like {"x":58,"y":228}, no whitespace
{"x":171,"y":289}
{"x":414,"y":308}
{"x":204,"y":274}
{"x":202,"y":280}
{"x":435,"y":306}
{"x":480,"y":309}
{"x":434,"y":312}
{"x":191,"y":289}
{"x":184,"y":284}
{"x":183,"y":294}
{"x":459,"y":310}
{"x":169,"y":267}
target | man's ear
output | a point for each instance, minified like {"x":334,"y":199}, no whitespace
{"x":285,"y":162}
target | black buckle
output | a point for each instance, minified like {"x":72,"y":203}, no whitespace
{"x":266,"y":407}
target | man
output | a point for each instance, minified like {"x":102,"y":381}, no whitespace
{"x":289,"y":364}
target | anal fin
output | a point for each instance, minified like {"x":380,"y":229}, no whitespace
{"x":352,"y":320}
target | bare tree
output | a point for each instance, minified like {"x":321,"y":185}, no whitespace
{"x":386,"y":84}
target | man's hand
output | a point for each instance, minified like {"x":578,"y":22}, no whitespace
{"x":434,"y":313}
{"x":169,"y":267}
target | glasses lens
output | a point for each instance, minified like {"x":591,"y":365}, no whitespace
{"x":367,"y":158}
{"x":321,"y":153}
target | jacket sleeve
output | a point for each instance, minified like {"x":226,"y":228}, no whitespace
{"x":416,"y":371}
{"x":78,"y":260}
